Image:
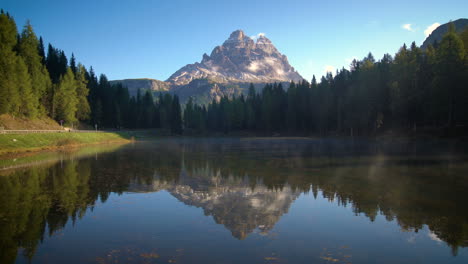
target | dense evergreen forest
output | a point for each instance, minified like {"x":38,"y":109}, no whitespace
{"x":415,"y":88}
{"x":34,"y":84}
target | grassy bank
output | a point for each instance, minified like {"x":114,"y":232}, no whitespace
{"x":21,"y":143}
{"x":13,"y":123}
{"x":9,"y":164}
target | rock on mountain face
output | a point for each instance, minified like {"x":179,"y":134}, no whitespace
{"x":134,"y":85}
{"x":239,"y":59}
{"x":437,"y":35}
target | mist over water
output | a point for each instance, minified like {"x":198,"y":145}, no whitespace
{"x":240,"y":201}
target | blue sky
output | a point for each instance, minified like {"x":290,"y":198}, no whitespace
{"x":154,"y":38}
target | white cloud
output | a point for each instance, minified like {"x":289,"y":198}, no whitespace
{"x":255,"y":37}
{"x":407,"y":27}
{"x":329,"y":68}
{"x":431,"y":28}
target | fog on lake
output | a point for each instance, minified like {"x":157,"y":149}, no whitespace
{"x":249,"y":200}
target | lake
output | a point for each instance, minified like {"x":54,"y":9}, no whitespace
{"x":249,"y":200}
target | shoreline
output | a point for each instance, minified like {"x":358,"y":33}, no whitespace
{"x":20,"y":145}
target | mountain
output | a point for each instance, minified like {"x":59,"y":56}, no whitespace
{"x":227,"y":71}
{"x":437,"y":35}
{"x":239,"y":60}
{"x":143,"y":84}
{"x":204,"y":91}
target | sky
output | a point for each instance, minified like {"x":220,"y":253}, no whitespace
{"x":155,"y":38}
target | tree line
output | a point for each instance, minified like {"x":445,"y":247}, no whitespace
{"x":113,"y":107}
{"x":415,"y":88}
{"x":36,"y":84}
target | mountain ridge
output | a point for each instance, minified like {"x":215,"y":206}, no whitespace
{"x":239,"y":59}
{"x":143,"y":84}
{"x":227,"y":71}
{"x":438,"y":33}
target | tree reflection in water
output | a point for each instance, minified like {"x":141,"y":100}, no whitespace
{"x":244,"y":185}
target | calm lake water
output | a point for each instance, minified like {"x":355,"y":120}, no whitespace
{"x":240,"y":201}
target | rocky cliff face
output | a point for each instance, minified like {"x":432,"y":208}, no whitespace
{"x":239,"y":60}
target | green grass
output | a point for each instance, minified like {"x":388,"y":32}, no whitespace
{"x":16,"y":143}
{"x":46,"y":157}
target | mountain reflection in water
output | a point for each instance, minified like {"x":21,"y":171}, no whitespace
{"x":245,"y":185}
{"x":232,"y":201}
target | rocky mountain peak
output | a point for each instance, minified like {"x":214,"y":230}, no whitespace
{"x":239,"y":60}
{"x":263,"y":43}
{"x":205,"y":58}
{"x":238,"y":40}
{"x":237,"y":35}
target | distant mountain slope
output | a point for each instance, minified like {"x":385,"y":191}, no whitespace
{"x":228,"y":71}
{"x":143,"y":84}
{"x":203,"y":91}
{"x":239,"y":59}
{"x":438,"y":33}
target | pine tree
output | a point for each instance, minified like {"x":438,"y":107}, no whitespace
{"x":65,"y":99}
{"x":73,"y":64}
{"x":176,"y":118}
{"x":9,"y":94}
{"x":450,"y":63}
{"x":464,"y":37}
{"x":28,"y":102}
{"x":251,"y":107}
{"x":147,"y":110}
{"x":314,"y":102}
{"x":41,"y":51}
{"x":28,"y":50}
{"x":165,"y":110}
{"x":62,"y":63}
{"x":83,"y":108}
{"x":123,"y":103}
{"x":291,"y":113}
{"x":402,"y":86}
{"x":52,"y":64}
{"x":189,"y":117}
{"x":93,"y":86}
